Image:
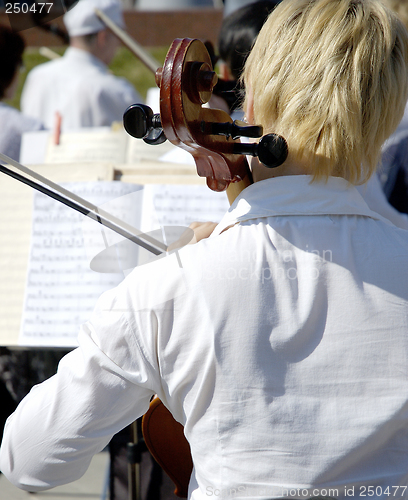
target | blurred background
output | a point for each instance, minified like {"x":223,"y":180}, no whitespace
{"x":154,"y":24}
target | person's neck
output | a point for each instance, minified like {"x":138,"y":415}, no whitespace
{"x":78,"y":44}
{"x":289,"y":167}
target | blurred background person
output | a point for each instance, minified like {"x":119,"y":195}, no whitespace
{"x":232,"y":5}
{"x":14,"y":123}
{"x":393,"y":170}
{"x":237,"y":35}
{"x":78,"y":87}
{"x":174,"y":4}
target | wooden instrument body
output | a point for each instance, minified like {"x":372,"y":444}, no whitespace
{"x":165,"y":440}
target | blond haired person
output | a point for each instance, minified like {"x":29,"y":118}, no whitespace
{"x":280,"y":343}
{"x":334,"y":121}
{"x":328,"y":86}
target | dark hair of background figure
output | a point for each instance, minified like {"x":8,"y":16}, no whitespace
{"x":239,"y":31}
{"x":11,"y":57}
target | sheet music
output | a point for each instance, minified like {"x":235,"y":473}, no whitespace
{"x":97,"y":145}
{"x":16,"y":204}
{"x":15,"y":228}
{"x":179,"y":205}
{"x":138,"y":150}
{"x":61,"y":289}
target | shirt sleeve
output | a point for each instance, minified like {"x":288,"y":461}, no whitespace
{"x":100,"y":388}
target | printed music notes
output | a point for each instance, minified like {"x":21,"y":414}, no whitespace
{"x":61,"y":288}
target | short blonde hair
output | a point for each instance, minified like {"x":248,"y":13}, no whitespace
{"x":331,"y":77}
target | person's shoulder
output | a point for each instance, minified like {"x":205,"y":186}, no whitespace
{"x":9,"y":113}
{"x":42,"y":75}
{"x":29,"y":123}
{"x":19,"y":120}
{"x":115,"y":81}
{"x":111,"y":87}
{"x":46,"y":67}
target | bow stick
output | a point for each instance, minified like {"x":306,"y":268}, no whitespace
{"x":81,"y":205}
{"x":127,"y":40}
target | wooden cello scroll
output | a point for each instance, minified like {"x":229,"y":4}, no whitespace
{"x":186,"y":83}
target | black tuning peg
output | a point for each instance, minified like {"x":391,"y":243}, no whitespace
{"x":272,"y":150}
{"x":236,"y":129}
{"x":140,"y":122}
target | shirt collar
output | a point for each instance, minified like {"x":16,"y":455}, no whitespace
{"x":79,"y":55}
{"x":296,"y":195}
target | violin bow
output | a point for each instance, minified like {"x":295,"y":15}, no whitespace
{"x":66,"y":197}
{"x":135,"y":47}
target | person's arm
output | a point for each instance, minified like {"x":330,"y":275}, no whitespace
{"x":100,"y":388}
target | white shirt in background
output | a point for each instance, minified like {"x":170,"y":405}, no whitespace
{"x":79,"y":87}
{"x":13,"y":126}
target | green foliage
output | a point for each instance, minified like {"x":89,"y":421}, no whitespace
{"x":125,"y":64}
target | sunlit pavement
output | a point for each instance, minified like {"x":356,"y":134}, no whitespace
{"x":92,"y":486}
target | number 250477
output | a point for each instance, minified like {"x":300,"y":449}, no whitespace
{"x":390,"y":491}
{"x":25,"y":8}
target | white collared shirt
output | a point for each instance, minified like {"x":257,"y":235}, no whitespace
{"x":80,"y":87}
{"x":14,"y":125}
{"x":281,"y":345}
